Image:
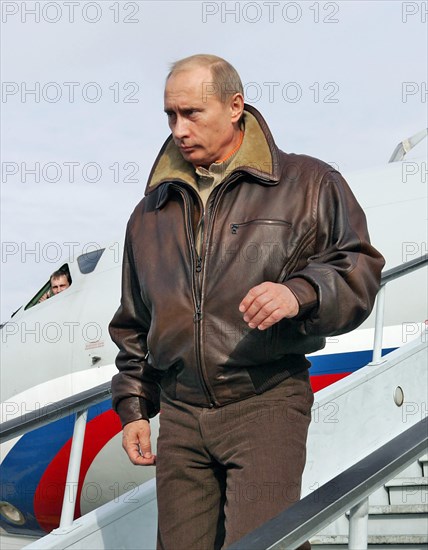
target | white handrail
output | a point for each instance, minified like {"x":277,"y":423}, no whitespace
{"x":359,"y":525}
{"x":72,"y":481}
{"x":379,"y":321}
{"x":387,"y":277}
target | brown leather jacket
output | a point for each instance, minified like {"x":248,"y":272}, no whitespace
{"x":278,"y":217}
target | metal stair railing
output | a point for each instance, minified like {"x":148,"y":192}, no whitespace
{"x":387,"y":277}
{"x":348,"y":490}
{"x":80,"y":403}
{"x":54,"y":411}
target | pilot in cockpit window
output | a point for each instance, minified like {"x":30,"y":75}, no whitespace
{"x":59,"y":280}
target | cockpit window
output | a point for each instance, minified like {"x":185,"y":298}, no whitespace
{"x":88,"y":262}
{"x":59,"y":280}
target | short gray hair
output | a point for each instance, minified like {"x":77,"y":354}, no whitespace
{"x":226,"y":80}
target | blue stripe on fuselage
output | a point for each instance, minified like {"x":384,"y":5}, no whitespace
{"x":341,"y":362}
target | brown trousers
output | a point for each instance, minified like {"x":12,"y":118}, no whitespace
{"x":222,"y":472}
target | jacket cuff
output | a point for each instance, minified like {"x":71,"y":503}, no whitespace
{"x":305,"y":294}
{"x":131,"y":409}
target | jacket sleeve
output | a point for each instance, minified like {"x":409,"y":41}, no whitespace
{"x":135,"y":389}
{"x":337,"y":286}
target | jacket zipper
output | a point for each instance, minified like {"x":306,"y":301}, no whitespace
{"x":197,"y":267}
{"x":212,"y":206}
{"x":198,"y":271}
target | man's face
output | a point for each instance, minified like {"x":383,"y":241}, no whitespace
{"x":58,"y":284}
{"x":204,"y":129}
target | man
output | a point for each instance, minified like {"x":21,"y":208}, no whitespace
{"x":239,"y":261}
{"x":59,"y":280}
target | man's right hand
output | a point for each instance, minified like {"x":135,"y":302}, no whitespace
{"x":45,"y":296}
{"x":136,"y":442}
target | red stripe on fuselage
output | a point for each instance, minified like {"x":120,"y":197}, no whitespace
{"x":320,"y":381}
{"x":49,"y":493}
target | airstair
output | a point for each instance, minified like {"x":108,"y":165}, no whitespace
{"x":366,"y":476}
{"x":397,"y":514}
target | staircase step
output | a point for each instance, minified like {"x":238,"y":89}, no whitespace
{"x":413,"y":470}
{"x":400,"y":520}
{"x":396,"y":524}
{"x":398,"y":509}
{"x":372,"y":539}
{"x":423,"y":461}
{"x":379,"y":497}
{"x":408,"y":490}
{"x":378,"y":542}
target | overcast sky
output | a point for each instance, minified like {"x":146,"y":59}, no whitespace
{"x":82,"y":106}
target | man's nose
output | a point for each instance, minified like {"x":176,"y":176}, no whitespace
{"x":181,"y":128}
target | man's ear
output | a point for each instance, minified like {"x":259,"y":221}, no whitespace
{"x":236,"y":107}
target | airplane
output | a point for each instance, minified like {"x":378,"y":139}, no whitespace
{"x":58,"y":347}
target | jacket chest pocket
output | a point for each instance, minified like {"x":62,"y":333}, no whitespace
{"x":239,"y":227}
{"x":259,"y":244}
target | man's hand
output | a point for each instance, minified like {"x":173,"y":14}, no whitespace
{"x":268,"y":303}
{"x":136,"y":442}
{"x":45,"y":296}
